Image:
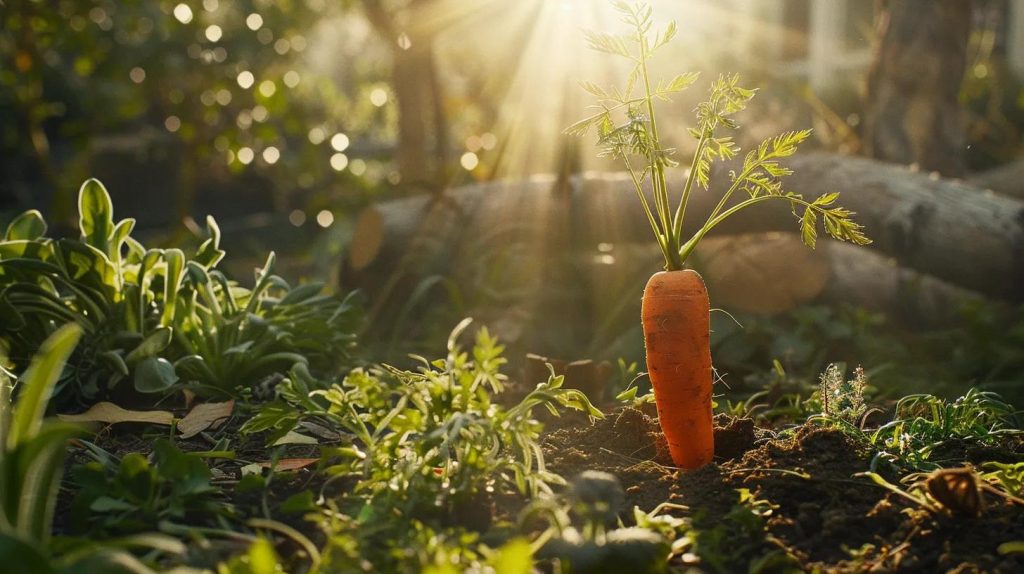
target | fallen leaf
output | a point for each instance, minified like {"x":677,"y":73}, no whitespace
{"x":284,"y":464}
{"x":290,"y":463}
{"x":104,"y":412}
{"x":293,"y":437}
{"x":203,"y":416}
{"x":253,"y":468}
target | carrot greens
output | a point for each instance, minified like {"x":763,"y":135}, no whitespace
{"x":637,"y":142}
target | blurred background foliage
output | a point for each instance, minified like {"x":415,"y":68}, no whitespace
{"x":283,"y":118}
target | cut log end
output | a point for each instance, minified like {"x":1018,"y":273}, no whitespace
{"x":366,"y":239}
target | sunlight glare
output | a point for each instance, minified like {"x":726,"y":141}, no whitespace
{"x":183,"y":13}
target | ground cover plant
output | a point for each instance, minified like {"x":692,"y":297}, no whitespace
{"x":159,"y":415}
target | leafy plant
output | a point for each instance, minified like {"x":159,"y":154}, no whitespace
{"x":683,"y":389}
{"x":429,"y":448}
{"x":841,"y":397}
{"x":133,"y":494}
{"x":32,"y":453}
{"x":32,"y":450}
{"x":156,"y":316}
{"x":234,"y":337}
{"x":923,"y":425}
{"x":584,"y":533}
{"x":726,"y":545}
{"x":122,"y":295}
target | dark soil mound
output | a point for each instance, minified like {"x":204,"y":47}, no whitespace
{"x":824,"y":515}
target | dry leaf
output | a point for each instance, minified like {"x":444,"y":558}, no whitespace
{"x":285,"y":464}
{"x":293,"y":437}
{"x":290,"y":463}
{"x":110,"y":413}
{"x":253,"y":468}
{"x":203,"y":416}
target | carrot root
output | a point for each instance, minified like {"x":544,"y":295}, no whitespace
{"x":676,"y":317}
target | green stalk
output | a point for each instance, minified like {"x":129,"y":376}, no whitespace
{"x":638,"y":186}
{"x":677,"y":224}
{"x":711,"y":223}
{"x":670,"y":244}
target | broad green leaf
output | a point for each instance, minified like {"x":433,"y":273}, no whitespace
{"x":210,"y":253}
{"x":175,"y":260}
{"x":96,"y":214}
{"x":28,"y":558}
{"x":38,"y":381}
{"x":115,"y":361}
{"x":27,"y":226}
{"x":154,"y":375}
{"x":118,"y":236}
{"x":89,"y":267}
{"x":108,"y":504}
{"x":39,"y":465}
{"x":135,"y":251}
{"x":299,"y":502}
{"x":154,"y":343}
{"x":1012,"y":547}
{"x":302,"y":293}
{"x":32,"y":250}
{"x":262,"y":558}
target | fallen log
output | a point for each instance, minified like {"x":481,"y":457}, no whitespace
{"x":946,"y":229}
{"x":1005,"y":180}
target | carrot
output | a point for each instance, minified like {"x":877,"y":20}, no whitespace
{"x":676,"y":320}
{"x":675,"y":304}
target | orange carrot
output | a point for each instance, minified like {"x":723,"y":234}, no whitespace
{"x":676,"y":321}
{"x":676,"y":312}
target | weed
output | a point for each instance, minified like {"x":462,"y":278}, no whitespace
{"x":923,"y":425}
{"x":840,"y":397}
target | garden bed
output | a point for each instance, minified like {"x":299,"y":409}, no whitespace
{"x":821,"y":514}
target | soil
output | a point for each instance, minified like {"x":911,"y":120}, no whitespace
{"x":824,"y":516}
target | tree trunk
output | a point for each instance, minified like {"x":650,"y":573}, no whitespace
{"x":422,"y":129}
{"x":912,"y":113}
{"x":942,"y":228}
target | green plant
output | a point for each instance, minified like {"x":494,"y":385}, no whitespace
{"x":585,"y":535}
{"x":1010,"y":477}
{"x":675,"y":309}
{"x":923,"y":426}
{"x":430,"y":448}
{"x":133,"y":494}
{"x":841,"y":397}
{"x":32,"y":453}
{"x":122,"y":295}
{"x":233,"y":337}
{"x":32,"y":450}
{"x":726,"y":545}
{"x":156,"y":316}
